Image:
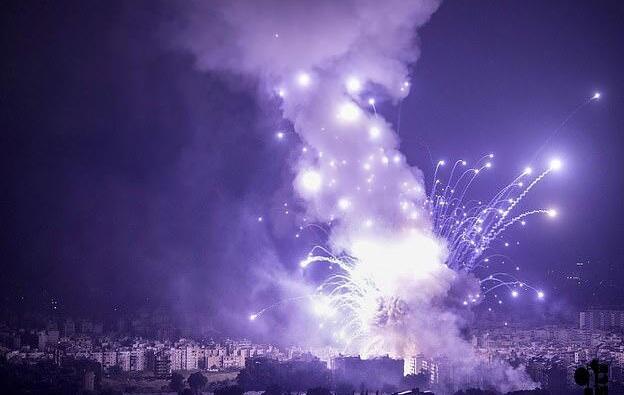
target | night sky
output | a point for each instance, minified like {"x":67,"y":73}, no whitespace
{"x":131,"y":179}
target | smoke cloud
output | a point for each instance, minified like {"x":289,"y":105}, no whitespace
{"x":329,"y":64}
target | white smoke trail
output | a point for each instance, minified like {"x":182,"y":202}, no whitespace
{"x":330,"y":62}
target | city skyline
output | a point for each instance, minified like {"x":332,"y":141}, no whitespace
{"x":147,"y":352}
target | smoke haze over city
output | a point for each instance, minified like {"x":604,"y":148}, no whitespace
{"x":282,"y":171}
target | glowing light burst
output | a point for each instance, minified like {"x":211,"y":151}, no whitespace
{"x":470,"y":229}
{"x":311,"y":181}
{"x":367,"y":295}
{"x":555,"y":164}
{"x":304,"y":79}
{"x":366,"y":290}
{"x":374,"y":132}
{"x":353,"y":85}
{"x":349,"y":112}
{"x":344,"y":203}
{"x":397,"y":249}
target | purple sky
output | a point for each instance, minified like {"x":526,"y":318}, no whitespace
{"x":131,"y":179}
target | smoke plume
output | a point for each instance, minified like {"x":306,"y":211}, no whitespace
{"x":330,"y":64}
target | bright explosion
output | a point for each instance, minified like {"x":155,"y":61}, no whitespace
{"x":401,"y":259}
{"x":398,"y":252}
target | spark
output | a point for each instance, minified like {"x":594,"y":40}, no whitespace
{"x":344,"y":204}
{"x":349,"y":112}
{"x":555,"y":164}
{"x":311,"y":180}
{"x":367,"y":282}
{"x":390,"y":232}
{"x":596,"y":96}
{"x":353,"y":85}
{"x":304,"y":80}
{"x":374,"y":132}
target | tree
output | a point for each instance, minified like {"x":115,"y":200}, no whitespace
{"x":229,"y":390}
{"x":318,"y":391}
{"x":344,"y":389}
{"x":197,"y":382}
{"x":176,"y":383}
{"x":475,"y":391}
{"x":115,"y":370}
{"x":273,"y":390}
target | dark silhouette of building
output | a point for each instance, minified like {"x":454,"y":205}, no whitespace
{"x":294,"y":375}
{"x":162,"y":365}
{"x":370,"y":374}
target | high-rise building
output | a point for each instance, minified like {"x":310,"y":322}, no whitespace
{"x":599,"y":319}
{"x":419,"y":364}
{"x":69,"y":328}
{"x":137,"y":360}
{"x":162,"y":364}
{"x":123,"y":360}
{"x":42,"y":340}
{"x":53,"y":336}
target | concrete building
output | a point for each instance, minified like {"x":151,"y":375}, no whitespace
{"x":599,"y":319}
{"x":69,"y":328}
{"x":109,"y":358}
{"x":137,"y":360}
{"x":162,"y":364}
{"x":123,"y":360}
